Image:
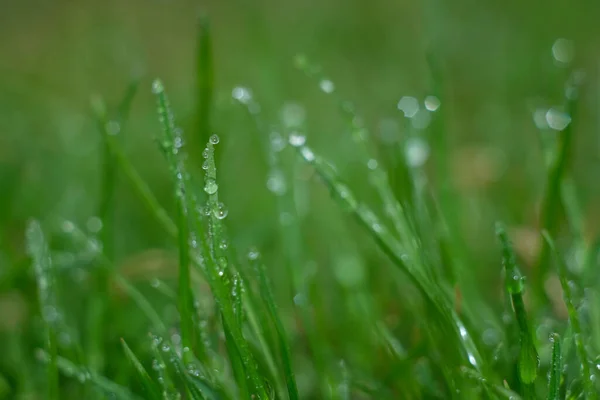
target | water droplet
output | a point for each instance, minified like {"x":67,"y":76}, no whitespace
{"x":432,"y":103}
{"x":176,"y":339}
{"x":276,"y":183}
{"x":206,"y":210}
{"x":372,"y":164}
{"x":94,"y":224}
{"x":297,"y":139}
{"x":157,"y":86}
{"x":68,"y":226}
{"x":277,"y":142}
{"x":214,"y":139}
{"x":300,"y":299}
{"x":416,"y":151}
{"x":563,"y":50}
{"x":327,"y":86}
{"x":177,"y":143}
{"x":292,"y":115}
{"x":409,"y":106}
{"x":557,"y":120}
{"x":211,"y":186}
{"x":205,"y":153}
{"x":113,"y":127}
{"x":165,"y":347}
{"x":421,"y":120}
{"x":242,"y":94}
{"x":221,"y":211}
{"x":205,"y":165}
{"x":253,"y":254}
{"x":221,"y":273}
{"x":223,"y":245}
{"x":307,"y":153}
{"x":155,"y":283}
{"x":222,"y":262}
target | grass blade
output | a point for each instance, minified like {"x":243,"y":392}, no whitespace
{"x":552,"y":199}
{"x":204,"y":80}
{"x":171,"y":143}
{"x":145,"y":379}
{"x":515,"y":287}
{"x":284,"y":346}
{"x":586,"y":377}
{"x":37,"y":248}
{"x":397,"y":253}
{"x":499,"y":390}
{"x":555,"y":368}
{"x":72,"y":370}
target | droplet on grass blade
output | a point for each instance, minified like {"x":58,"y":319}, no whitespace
{"x":211,"y":186}
{"x":297,"y":139}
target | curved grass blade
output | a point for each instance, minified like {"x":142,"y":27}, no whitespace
{"x":72,"y":370}
{"x":586,"y":377}
{"x":106,"y":213}
{"x":515,"y":286}
{"x":80,"y":236}
{"x":141,"y":187}
{"x":397,"y":253}
{"x":284,"y":346}
{"x":499,"y":390}
{"x":204,"y":79}
{"x":555,"y":368}
{"x":37,"y":247}
{"x":145,"y":379}
{"x":171,"y":143}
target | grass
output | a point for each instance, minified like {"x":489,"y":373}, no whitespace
{"x":255,"y":257}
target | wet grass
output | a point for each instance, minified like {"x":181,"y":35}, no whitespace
{"x":365,"y":287}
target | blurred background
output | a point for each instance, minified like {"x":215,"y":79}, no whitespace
{"x":506,"y":69}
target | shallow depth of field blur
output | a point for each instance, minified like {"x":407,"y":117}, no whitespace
{"x":506,"y":68}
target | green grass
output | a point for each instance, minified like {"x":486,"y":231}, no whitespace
{"x":229,"y":243}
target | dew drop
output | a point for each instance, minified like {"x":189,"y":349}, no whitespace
{"x":327,"y":86}
{"x":242,"y":94}
{"x":223,"y":245}
{"x":214,"y":139}
{"x":432,"y":103}
{"x":113,"y":128}
{"x":276,"y":183}
{"x":563,"y":50}
{"x":557,"y":120}
{"x":416,"y":151}
{"x":205,"y":165}
{"x":157,"y":86}
{"x":307,"y":153}
{"x":253,"y":254}
{"x":211,"y":186}
{"x":205,"y":153}
{"x":221,"y":211}
{"x":372,"y":164}
{"x":94,"y":224}
{"x":297,"y":139}
{"x":409,"y":106}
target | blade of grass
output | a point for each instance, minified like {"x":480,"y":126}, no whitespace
{"x":396,"y":251}
{"x":219,"y":274}
{"x":586,"y":376}
{"x":72,"y":370}
{"x":204,"y":80}
{"x":499,"y":390}
{"x":106,"y":213}
{"x":171,"y":143}
{"x":555,"y":368}
{"x":152,"y":391}
{"x":80,"y":237}
{"x":552,"y":198}
{"x":284,"y":346}
{"x":515,"y":286}
{"x":37,"y":247}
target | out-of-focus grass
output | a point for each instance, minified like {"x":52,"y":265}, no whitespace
{"x":426,"y":121}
